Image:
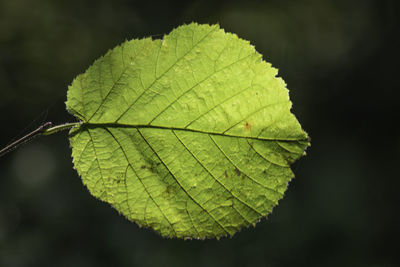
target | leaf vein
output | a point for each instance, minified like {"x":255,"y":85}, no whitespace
{"x":191,"y":219}
{"x":197,"y":84}
{"x":219,"y":104}
{"x":271,"y":162}
{"x":218,"y":181}
{"x":145,"y":126}
{"x":252,"y":113}
{"x":180,"y":185}
{"x":140,"y":179}
{"x":98,"y":163}
{"x":109,"y":92}
{"x":234,"y":165}
{"x":166,"y":71}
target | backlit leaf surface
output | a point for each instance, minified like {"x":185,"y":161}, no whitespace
{"x":191,"y":135}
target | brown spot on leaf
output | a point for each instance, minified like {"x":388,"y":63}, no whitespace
{"x":226,"y":174}
{"x":143,"y":166}
{"x":238,"y":172}
{"x":153,"y":167}
{"x":247,"y":126}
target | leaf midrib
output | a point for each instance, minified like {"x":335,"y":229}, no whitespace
{"x":147,"y":126}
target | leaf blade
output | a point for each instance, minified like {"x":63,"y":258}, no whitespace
{"x":198,"y":126}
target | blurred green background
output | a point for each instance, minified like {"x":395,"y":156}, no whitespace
{"x":339,"y":61}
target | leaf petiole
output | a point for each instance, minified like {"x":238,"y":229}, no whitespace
{"x":45,"y":129}
{"x":62,"y":127}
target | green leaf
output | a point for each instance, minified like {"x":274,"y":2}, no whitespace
{"x":191,"y":135}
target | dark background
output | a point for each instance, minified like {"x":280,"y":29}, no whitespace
{"x":340,"y":61}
